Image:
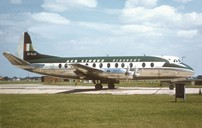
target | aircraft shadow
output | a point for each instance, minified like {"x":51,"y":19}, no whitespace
{"x":81,"y":90}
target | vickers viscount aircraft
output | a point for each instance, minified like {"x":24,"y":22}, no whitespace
{"x":101,"y":70}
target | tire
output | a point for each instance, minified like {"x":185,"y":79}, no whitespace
{"x":171,"y":87}
{"x":111,"y":86}
{"x":98,"y":87}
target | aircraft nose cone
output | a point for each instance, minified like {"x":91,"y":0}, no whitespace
{"x":191,"y":70}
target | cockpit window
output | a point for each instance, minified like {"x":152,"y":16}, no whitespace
{"x":173,"y":59}
{"x":176,"y":60}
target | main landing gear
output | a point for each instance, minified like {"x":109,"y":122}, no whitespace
{"x":111,"y":85}
{"x":98,"y":85}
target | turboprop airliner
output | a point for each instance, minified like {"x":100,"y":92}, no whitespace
{"x":101,"y":70}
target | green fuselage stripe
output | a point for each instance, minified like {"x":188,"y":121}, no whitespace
{"x":98,"y":59}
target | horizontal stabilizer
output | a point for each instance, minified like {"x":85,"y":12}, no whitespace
{"x":15,"y":60}
{"x":21,"y":63}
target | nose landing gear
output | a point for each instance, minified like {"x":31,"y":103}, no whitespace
{"x":171,"y":86}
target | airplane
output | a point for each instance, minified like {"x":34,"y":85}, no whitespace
{"x":101,"y":70}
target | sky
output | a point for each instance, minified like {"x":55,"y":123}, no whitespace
{"x":71,"y":28}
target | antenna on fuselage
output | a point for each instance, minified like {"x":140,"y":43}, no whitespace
{"x":183,"y":58}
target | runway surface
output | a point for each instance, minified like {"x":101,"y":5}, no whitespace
{"x":50,"y":89}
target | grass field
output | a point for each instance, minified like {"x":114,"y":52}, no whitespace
{"x":100,"y":111}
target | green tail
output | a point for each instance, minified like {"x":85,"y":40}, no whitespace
{"x":29,"y":54}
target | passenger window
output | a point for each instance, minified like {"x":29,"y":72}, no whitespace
{"x":66,"y":66}
{"x":131,"y":65}
{"x":122,"y":65}
{"x":152,"y":65}
{"x":143,"y":65}
{"x":116,"y":65}
{"x":108,"y":65}
{"x":101,"y":65}
{"x":94,"y":65}
{"x":60,"y":65}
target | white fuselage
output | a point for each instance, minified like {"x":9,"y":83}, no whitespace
{"x":118,"y":70}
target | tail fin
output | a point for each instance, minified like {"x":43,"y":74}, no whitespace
{"x":29,"y":54}
{"x":28,"y":50}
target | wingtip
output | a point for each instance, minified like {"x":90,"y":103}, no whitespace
{"x":15,"y":60}
{"x":5,"y":53}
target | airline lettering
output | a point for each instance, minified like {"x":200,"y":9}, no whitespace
{"x":31,"y":53}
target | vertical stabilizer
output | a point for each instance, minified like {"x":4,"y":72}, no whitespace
{"x":28,"y":50}
{"x":28,"y":43}
{"x":20,"y":51}
{"x":29,"y":54}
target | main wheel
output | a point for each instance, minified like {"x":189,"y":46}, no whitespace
{"x":111,"y":86}
{"x":98,"y":87}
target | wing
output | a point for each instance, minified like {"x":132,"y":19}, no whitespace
{"x":85,"y":72}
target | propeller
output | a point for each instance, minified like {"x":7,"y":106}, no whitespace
{"x":136,"y":72}
{"x":127,"y":73}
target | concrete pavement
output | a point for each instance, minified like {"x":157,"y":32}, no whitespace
{"x":50,"y":89}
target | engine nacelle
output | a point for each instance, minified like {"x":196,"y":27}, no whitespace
{"x":135,"y":75}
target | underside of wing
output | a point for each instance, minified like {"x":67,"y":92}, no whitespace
{"x":85,"y":72}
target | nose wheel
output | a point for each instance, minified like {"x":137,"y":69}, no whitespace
{"x":171,"y":86}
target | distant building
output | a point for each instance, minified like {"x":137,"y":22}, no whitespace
{"x":198,"y":80}
{"x":6,"y":78}
{"x":199,"y":77}
{"x":50,"y":79}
